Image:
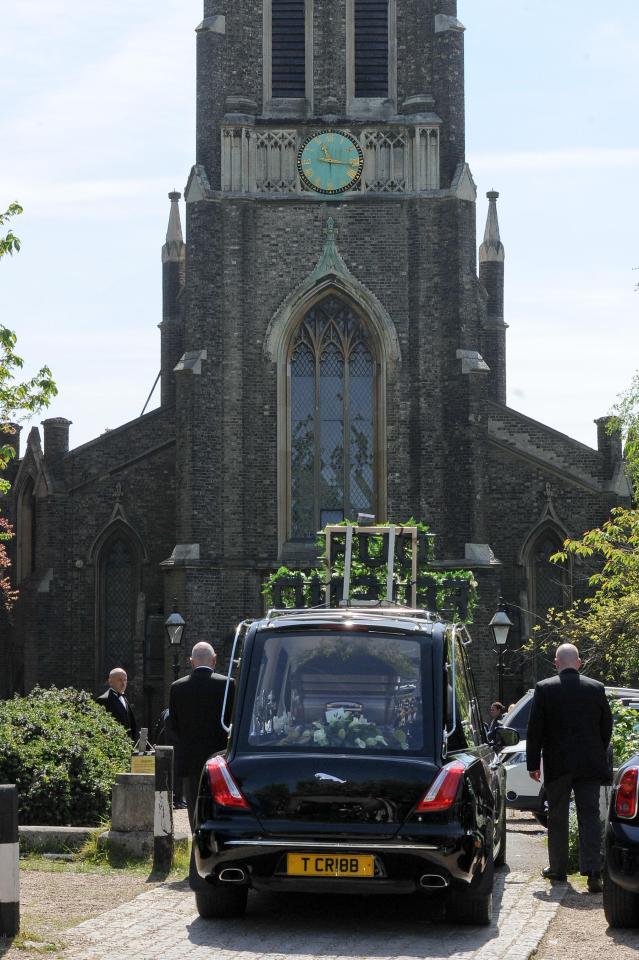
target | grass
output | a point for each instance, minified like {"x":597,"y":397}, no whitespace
{"x":30,"y":941}
{"x":93,"y":857}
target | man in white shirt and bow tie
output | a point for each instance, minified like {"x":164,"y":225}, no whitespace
{"x":117,"y":704}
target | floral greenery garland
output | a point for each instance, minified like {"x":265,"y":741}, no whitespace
{"x":346,"y":730}
{"x":307,"y":586}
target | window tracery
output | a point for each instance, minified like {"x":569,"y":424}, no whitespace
{"x":332,"y":418}
{"x":118,"y":572}
{"x":549,"y":580}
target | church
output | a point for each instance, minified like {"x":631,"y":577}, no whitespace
{"x":332,"y":342}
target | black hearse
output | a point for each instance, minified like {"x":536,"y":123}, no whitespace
{"x":621,"y":874}
{"x":357,"y":762}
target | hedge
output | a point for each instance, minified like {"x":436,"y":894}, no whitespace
{"x":63,"y":752}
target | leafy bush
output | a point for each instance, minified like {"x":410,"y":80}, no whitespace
{"x":63,"y":752}
{"x":625,"y":732}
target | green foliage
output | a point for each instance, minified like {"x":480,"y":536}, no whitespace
{"x":63,"y":752}
{"x":19,"y":400}
{"x":345,"y":730}
{"x":573,"y":840}
{"x":625,"y":732}
{"x":625,"y":418}
{"x":445,"y":582}
{"x":604,"y":626}
{"x":9,"y":242}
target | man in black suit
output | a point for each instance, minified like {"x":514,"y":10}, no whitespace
{"x":195,"y":715}
{"x":117,"y":704}
{"x":570,"y":727}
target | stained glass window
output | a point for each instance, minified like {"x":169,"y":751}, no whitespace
{"x":119,"y":592}
{"x":332,"y":419}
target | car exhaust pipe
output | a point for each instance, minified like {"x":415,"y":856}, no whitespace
{"x":232,"y":875}
{"x":433,"y":881}
{"x":511,"y":795}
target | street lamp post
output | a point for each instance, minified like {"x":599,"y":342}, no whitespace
{"x":500,"y":625}
{"x":174,"y":626}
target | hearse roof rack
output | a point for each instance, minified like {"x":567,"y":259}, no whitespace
{"x":382,"y":611}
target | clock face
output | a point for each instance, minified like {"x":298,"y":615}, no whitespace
{"x":330,"y":162}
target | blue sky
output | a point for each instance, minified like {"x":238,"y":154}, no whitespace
{"x":97,"y":125}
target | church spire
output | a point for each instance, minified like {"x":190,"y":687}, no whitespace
{"x":491,"y":274}
{"x":174,"y":248}
{"x":173,"y":280}
{"x":492,"y":249}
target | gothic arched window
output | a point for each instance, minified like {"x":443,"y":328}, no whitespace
{"x":118,"y":598}
{"x":332,"y":418}
{"x":26,"y":544}
{"x":549,"y":580}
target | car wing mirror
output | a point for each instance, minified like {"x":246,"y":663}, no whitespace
{"x":508,"y":736}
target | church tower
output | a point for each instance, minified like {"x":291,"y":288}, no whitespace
{"x":333,"y":314}
{"x":328,"y":348}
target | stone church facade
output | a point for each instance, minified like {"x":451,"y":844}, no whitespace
{"x":325,"y":350}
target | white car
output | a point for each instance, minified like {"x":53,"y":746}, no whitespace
{"x":522,"y":792}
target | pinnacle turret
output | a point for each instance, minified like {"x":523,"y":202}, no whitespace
{"x":174,"y":248}
{"x":492,"y":249}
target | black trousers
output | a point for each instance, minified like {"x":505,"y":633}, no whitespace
{"x":587,"y":803}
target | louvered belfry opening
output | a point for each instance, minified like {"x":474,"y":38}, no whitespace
{"x":288,"y":50}
{"x":371,"y":48}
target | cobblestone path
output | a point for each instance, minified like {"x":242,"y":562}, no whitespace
{"x":163,"y":925}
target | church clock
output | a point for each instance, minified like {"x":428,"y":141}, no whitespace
{"x":330,"y":162}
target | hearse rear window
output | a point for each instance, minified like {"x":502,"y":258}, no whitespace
{"x":340,"y":691}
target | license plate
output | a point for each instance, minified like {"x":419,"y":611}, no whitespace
{"x":329,"y":865}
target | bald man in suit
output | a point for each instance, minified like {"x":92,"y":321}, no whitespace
{"x":195,"y":716}
{"x":570,"y":727}
{"x":115,"y":703}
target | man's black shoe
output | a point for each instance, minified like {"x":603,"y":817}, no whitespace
{"x":549,"y":874}
{"x":594,"y":883}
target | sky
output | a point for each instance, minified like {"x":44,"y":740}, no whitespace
{"x":97,"y":125}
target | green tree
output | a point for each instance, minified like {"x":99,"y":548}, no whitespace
{"x":19,"y":400}
{"x":605,"y":625}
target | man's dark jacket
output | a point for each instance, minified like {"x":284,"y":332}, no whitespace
{"x":571,"y":725}
{"x":111,"y":702}
{"x":195,"y":711}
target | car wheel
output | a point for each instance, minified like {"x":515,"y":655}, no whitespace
{"x":221,"y":903}
{"x":500,"y":859}
{"x":621,"y":907}
{"x":476,"y":909}
{"x":476,"y":906}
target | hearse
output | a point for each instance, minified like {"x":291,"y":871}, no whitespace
{"x":357,"y":763}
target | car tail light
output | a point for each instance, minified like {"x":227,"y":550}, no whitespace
{"x":224,"y":789}
{"x":626,"y":795}
{"x":443,"y":790}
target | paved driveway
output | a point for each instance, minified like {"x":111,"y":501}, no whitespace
{"x":163,"y":924}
